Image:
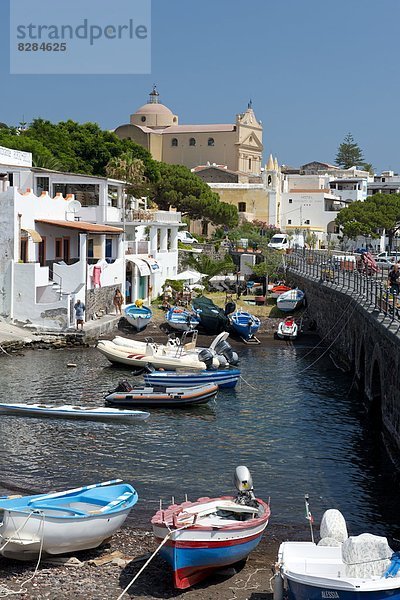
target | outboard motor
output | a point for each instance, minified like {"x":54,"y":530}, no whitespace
{"x":206,"y":356}
{"x":225,"y":349}
{"x":230,"y":308}
{"x":244,"y":485}
{"x":123,"y":386}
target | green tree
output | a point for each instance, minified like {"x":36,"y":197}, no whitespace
{"x":185,"y":191}
{"x":379,"y":212}
{"x":131,"y":171}
{"x":349,"y":153}
{"x":210,"y":267}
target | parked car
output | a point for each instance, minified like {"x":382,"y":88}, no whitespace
{"x":186,"y":238}
{"x":383,"y":262}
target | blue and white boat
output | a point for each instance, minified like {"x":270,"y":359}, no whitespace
{"x":182,"y":319}
{"x":211,"y":533}
{"x":138,"y":316}
{"x":55,"y":523}
{"x":360,"y":567}
{"x":289,"y":301}
{"x":245,"y":324}
{"x":224,"y":378}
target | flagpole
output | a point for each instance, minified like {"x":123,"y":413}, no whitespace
{"x":309,"y":516}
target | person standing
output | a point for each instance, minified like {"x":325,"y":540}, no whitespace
{"x":117,"y":301}
{"x":394,"y":279}
{"x":79,"y":314}
{"x":128,"y":287}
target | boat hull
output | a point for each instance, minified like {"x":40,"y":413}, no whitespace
{"x":71,"y":412}
{"x":193,"y":561}
{"x":300,"y":591}
{"x":138,"y":317}
{"x":174,"y":399}
{"x":245,"y":324}
{"x":139,"y":323}
{"x":224,"y":379}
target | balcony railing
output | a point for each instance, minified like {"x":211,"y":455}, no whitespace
{"x":149,"y":216}
{"x":137,"y":247}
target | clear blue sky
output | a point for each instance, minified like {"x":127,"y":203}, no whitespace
{"x":314,"y":70}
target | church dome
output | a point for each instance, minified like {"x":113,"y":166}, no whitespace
{"x":152,"y":109}
{"x":153,"y":114}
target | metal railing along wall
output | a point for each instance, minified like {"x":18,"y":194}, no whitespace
{"x":349,"y":276}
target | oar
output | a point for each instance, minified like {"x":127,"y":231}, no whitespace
{"x":75,"y":490}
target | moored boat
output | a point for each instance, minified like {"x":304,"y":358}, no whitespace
{"x":245,"y":324}
{"x":138,"y":316}
{"x":212,"y":318}
{"x":69,"y":411}
{"x":287,"y":329}
{"x":224,"y":378}
{"x":341,"y":567}
{"x":211,"y":533}
{"x":279,"y":289}
{"x":289,"y":301}
{"x":160,"y":396}
{"x":182,"y":319}
{"x":69,"y":521}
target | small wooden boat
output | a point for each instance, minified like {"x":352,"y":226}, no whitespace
{"x":127,"y":396}
{"x":69,"y":521}
{"x":279,"y":289}
{"x":224,"y":378}
{"x":138,"y":316}
{"x":245,"y":324}
{"x":287,"y":329}
{"x":289,"y":301}
{"x":152,"y":354}
{"x":211,"y":533}
{"x":182,"y":319}
{"x":68,"y":411}
{"x":340,"y":567}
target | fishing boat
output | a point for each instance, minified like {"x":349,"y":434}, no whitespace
{"x":201,"y":537}
{"x":224,"y":378}
{"x":127,"y":396}
{"x":287,"y":329}
{"x":68,"y":411}
{"x":152,"y":354}
{"x":289,"y":301}
{"x":138,"y":316}
{"x":345,"y":568}
{"x":212,"y":318}
{"x":245,"y":324}
{"x":69,"y":521}
{"x":181,"y":319}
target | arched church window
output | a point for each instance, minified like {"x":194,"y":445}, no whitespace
{"x":249,"y":163}
{"x":174,"y":142}
{"x":143,"y":119}
{"x":211,"y":142}
{"x":269,"y":179}
{"x":192,"y":142}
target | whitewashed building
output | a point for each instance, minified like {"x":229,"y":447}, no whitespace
{"x":66,"y":236}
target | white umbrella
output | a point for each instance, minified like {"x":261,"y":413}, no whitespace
{"x":188,"y":275}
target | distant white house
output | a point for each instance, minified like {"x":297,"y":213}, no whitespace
{"x":66,"y":236}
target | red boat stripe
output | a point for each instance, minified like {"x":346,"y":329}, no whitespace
{"x":210,"y":543}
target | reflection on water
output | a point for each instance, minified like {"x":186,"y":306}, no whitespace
{"x":296,"y":432}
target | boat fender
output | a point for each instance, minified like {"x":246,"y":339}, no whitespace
{"x":277,"y":586}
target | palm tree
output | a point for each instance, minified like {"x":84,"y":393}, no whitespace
{"x":209,"y":267}
{"x":130,"y":170}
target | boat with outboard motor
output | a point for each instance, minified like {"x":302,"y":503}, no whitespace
{"x":287,"y":329}
{"x":212,"y":318}
{"x":201,"y":537}
{"x":289,"y":301}
{"x":224,"y":378}
{"x":340,"y":567}
{"x":138,"y":316}
{"x":68,"y":521}
{"x":69,"y":411}
{"x":128,"y":396}
{"x":182,"y":319}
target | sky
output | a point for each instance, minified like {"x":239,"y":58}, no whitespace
{"x":315,"y":70}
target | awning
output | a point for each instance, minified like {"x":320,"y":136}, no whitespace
{"x":155,"y":267}
{"x":36,"y":237}
{"x":143,"y":267}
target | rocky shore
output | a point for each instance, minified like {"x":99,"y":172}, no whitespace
{"x":102,"y":574}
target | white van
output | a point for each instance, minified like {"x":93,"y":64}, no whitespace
{"x":186,"y":238}
{"x":280,"y":241}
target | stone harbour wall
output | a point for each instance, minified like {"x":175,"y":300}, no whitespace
{"x":99,"y":301}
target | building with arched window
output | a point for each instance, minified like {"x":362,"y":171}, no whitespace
{"x":237,"y":145}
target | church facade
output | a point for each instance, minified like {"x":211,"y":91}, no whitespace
{"x":238,"y":146}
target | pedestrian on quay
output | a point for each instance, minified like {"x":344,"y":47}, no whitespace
{"x":128,"y":287}
{"x":79,"y":308}
{"x":394,"y":279}
{"x":117,"y":301}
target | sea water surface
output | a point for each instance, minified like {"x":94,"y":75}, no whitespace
{"x":297,"y":426}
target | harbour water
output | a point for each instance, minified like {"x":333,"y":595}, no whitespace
{"x":299,"y":430}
